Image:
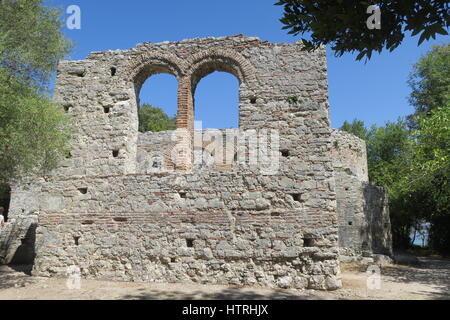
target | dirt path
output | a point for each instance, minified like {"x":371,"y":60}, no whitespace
{"x":428,"y":280}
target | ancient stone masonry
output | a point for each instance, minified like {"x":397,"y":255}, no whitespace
{"x":139,"y":206}
{"x":18,"y":237}
{"x":362,"y":208}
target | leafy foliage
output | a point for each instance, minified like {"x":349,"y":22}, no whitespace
{"x":388,"y":148}
{"x":31,"y":41}
{"x":357,"y":128}
{"x":154,"y":119}
{"x":440,"y":234}
{"x":431,"y":165}
{"x":430,"y":174}
{"x":33,"y":130}
{"x":342,"y":23}
{"x":432,"y":143}
{"x":430,"y":82}
{"x":415,"y":168}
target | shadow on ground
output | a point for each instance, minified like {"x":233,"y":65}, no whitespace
{"x":430,"y":271}
{"x":226,"y":294}
{"x":430,"y":279}
{"x":15,"y":276}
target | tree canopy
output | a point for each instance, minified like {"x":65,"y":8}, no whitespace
{"x":343,"y":23}
{"x":154,"y":119}
{"x":33,"y":130}
{"x":357,"y":128}
{"x":31,"y":41}
{"x":431,"y":161}
{"x":430,"y":81}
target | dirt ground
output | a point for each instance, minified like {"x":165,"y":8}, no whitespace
{"x":430,"y":279}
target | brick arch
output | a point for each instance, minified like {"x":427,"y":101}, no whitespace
{"x":143,"y":66}
{"x":140,"y":68}
{"x":189,"y":72}
{"x":206,"y":62}
{"x":146,"y":64}
{"x":200,"y":65}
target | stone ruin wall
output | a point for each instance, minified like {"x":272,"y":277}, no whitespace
{"x":121,"y":208}
{"x":234,"y":226}
{"x":362,"y":208}
{"x":18,"y":236}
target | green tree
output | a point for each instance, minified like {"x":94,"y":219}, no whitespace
{"x":31,"y":41}
{"x":431,"y":173}
{"x":342,"y":23}
{"x":430,"y":82}
{"x":357,"y":128}
{"x":154,"y":119}
{"x":33,"y":130}
{"x":389,"y":152}
{"x":388,"y":149}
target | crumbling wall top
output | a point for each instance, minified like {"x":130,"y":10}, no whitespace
{"x":349,"y":154}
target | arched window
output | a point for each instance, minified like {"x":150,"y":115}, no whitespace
{"x":216,"y":112}
{"x":216,"y":101}
{"x":158,"y":103}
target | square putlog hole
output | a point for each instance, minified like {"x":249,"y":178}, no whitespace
{"x":297,"y":197}
{"x":285,"y":153}
{"x":275,"y":214}
{"x":190,"y":243}
{"x":183,"y":195}
{"x":115,"y":153}
{"x":83,"y":190}
{"x":308,"y":242}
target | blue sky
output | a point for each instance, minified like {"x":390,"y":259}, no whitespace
{"x":375,"y":91}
